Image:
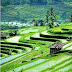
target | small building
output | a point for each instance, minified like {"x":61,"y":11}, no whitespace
{"x":4,"y":36}
{"x":56,"y":47}
{"x":56,"y":25}
{"x":12,"y":33}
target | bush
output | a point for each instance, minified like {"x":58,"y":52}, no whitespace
{"x":32,"y":58}
{"x":24,"y":61}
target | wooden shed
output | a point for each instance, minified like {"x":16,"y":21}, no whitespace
{"x":56,"y":47}
{"x":4,"y":36}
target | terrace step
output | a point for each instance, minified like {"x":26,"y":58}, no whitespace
{"x":37,"y":37}
{"x":5,"y":52}
{"x":47,"y":64}
{"x":44,"y":39}
{"x":2,"y":55}
{"x":28,"y":49}
{"x":46,"y":35}
{"x":58,"y":66}
{"x":12,"y":49}
{"x":18,"y":44}
{"x":28,"y":65}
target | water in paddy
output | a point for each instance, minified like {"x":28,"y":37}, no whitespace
{"x":28,"y":31}
{"x":28,"y":65}
{"x":10,"y":58}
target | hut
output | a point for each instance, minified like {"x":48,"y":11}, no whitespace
{"x":56,"y":25}
{"x":56,"y":47}
{"x":4,"y":36}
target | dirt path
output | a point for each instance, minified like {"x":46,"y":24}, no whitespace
{"x":14,"y":39}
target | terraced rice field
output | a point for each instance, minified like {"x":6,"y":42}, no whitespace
{"x":30,"y":52}
{"x":28,"y":65}
{"x":14,"y":39}
{"x":15,"y":48}
{"x":48,"y":64}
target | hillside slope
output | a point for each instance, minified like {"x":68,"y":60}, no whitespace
{"x":28,"y":12}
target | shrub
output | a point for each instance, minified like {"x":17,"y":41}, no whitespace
{"x":24,"y":61}
{"x":32,"y":58}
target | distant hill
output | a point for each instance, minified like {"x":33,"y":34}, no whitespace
{"x":36,"y":2}
{"x":25,"y":10}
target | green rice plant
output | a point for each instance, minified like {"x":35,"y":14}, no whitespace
{"x":18,"y":44}
{"x":13,"y":46}
{"x":29,"y":65}
{"x":57,"y":65}
{"x":2,"y":55}
{"x":12,"y":49}
{"x":65,"y":67}
{"x":53,"y":36}
{"x":69,"y":70}
{"x":6,"y":52}
{"x":47,"y":64}
{"x":45,"y":39}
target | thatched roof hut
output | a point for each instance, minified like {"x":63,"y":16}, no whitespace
{"x":4,"y":36}
{"x":57,"y":46}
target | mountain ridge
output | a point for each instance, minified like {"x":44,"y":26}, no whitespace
{"x":36,"y":2}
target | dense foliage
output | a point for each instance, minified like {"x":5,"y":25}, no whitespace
{"x":40,"y":2}
{"x":25,"y":10}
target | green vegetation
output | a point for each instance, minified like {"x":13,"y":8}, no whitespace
{"x":59,"y":30}
{"x":52,"y":15}
{"x":32,"y":43}
{"x":51,"y":63}
{"x":28,"y":12}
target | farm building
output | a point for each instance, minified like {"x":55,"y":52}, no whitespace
{"x":56,"y":47}
{"x":4,"y":36}
{"x":13,"y":33}
{"x":56,"y":25}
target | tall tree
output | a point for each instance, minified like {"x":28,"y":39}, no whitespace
{"x":52,"y":15}
{"x":71,"y":18}
{"x":47,"y":16}
{"x":35,"y":22}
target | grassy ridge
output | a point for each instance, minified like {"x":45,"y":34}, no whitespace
{"x":18,"y":44}
{"x":41,"y":53}
{"x":45,"y":39}
{"x":59,"y":30}
{"x":54,"y":36}
{"x":53,"y":67}
{"x":51,"y":62}
{"x":13,"y":50}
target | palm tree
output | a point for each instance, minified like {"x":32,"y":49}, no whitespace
{"x":35,"y":22}
{"x":47,"y":16}
{"x":52,"y":15}
{"x":71,"y":18}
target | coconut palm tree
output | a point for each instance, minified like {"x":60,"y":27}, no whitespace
{"x":52,"y":15}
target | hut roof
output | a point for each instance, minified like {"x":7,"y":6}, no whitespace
{"x":57,"y":44}
{"x":4,"y":35}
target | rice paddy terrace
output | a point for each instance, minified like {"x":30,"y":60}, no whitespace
{"x":29,"y":52}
